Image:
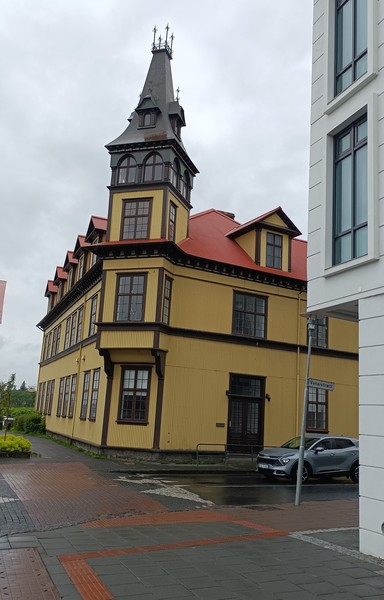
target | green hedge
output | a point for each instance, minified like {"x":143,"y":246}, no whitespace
{"x":30,"y":423}
{"x":14,"y":443}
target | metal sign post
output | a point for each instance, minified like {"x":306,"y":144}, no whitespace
{"x":299,"y":475}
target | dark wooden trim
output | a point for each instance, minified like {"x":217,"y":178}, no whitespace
{"x":160,"y":356}
{"x":108,"y":369}
{"x":164,"y":211}
{"x":81,"y":287}
{"x":160,"y":288}
{"x":258,"y":246}
{"x":226,"y":338}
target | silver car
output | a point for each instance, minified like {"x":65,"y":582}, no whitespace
{"x":323,"y":455}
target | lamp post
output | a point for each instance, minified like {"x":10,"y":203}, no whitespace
{"x":311,"y":328}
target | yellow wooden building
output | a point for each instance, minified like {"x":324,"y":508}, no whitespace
{"x":167,"y":330}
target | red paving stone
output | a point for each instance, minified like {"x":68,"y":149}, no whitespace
{"x":56,"y":494}
{"x":23,"y":576}
{"x":90,"y":587}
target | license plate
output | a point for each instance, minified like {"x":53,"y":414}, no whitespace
{"x":263,"y":466}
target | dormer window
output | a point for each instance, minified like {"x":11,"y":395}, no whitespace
{"x":147,"y":119}
{"x":153,"y":170}
{"x":274,"y":251}
{"x":176,"y":127}
{"x":127,"y":170}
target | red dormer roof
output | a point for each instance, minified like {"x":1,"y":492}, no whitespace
{"x":51,"y":288}
{"x":290,"y":227}
{"x":209,"y":238}
{"x":96,"y":224}
{"x":69,"y":260}
{"x":60,"y":274}
{"x":80,"y":244}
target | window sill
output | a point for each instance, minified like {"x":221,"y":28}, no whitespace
{"x":348,"y":265}
{"x":127,"y":422}
{"x":355,"y":87}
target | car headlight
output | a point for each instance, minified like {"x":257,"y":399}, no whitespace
{"x":284,"y":461}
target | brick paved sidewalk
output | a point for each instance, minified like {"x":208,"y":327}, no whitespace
{"x":223,"y":554}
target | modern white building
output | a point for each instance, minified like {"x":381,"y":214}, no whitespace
{"x":346,"y":215}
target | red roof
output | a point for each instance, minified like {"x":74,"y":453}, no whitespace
{"x":208,"y":239}
{"x":51,"y":288}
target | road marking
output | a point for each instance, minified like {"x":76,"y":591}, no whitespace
{"x":5,"y":500}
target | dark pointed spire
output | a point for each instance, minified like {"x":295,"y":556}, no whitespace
{"x":158,"y":114}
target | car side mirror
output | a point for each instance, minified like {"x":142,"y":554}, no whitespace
{"x":319,"y":449}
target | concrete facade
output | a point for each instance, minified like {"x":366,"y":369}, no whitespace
{"x":353,"y":288}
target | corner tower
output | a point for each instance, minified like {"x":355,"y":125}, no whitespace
{"x":152,"y":174}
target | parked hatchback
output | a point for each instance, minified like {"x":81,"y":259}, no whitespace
{"x":323,"y":455}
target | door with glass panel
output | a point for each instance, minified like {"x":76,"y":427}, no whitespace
{"x":246,"y":414}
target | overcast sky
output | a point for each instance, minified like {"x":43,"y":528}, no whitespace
{"x":71,"y":74}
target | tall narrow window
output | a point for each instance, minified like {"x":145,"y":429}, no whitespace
{"x":135,"y":222}
{"x":127,"y":170}
{"x":249,"y":315}
{"x":351,"y":42}
{"x":92,"y":318}
{"x":73,"y":329}
{"x":130,"y":298}
{"x":79,"y":324}
{"x":67,"y":333}
{"x":172,"y":222}
{"x":153,"y":169}
{"x":134,"y":396}
{"x":66,"y":396}
{"x":70,"y":279}
{"x":147,"y":119}
{"x":40,"y":398}
{"x":274,"y":250}
{"x":50,"y":397}
{"x":317,"y":414}
{"x":80,"y":267}
{"x":72,"y":397}
{"x":60,"y":397}
{"x":174,"y":173}
{"x":320,"y":333}
{"x":94,"y":394}
{"x":350,"y":228}
{"x":85,"y":396}
{"x":167,"y":300}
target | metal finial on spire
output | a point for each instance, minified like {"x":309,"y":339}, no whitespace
{"x":161,"y":43}
{"x":177,"y":94}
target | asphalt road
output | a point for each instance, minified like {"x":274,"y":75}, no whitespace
{"x":248,"y":489}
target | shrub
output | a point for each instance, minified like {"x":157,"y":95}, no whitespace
{"x":31,"y":422}
{"x":13,"y":444}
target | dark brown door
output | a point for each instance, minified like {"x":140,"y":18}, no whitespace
{"x":246,"y":424}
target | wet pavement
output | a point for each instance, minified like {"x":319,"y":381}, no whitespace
{"x":75,"y":527}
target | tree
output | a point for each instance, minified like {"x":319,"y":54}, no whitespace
{"x":23,"y":387}
{"x":6,"y":390}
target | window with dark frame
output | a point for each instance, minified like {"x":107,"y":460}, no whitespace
{"x":167,"y":300}
{"x":147,"y":119}
{"x":79,"y":324}
{"x":72,"y":397}
{"x":80,"y":267}
{"x":85,"y":396}
{"x":350,"y":211}
{"x":94,"y":394}
{"x":317,"y":412}
{"x":135,"y":221}
{"x":60,"y":397}
{"x":351,"y":54}
{"x":127,"y":170}
{"x":134,"y":395}
{"x":174,"y":173}
{"x":66,"y":396}
{"x":92,"y":318}
{"x":172,"y":222}
{"x":320,"y":332}
{"x":130,"y":297}
{"x":274,"y":250}
{"x":153,"y":168}
{"x":73,"y":329}
{"x":46,"y":399}
{"x":50,"y":397}
{"x":249,"y":315}
{"x":67,"y":333}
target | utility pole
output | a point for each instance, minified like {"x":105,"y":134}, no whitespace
{"x":299,"y":475}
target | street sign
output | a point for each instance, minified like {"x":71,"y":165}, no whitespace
{"x":322,"y":385}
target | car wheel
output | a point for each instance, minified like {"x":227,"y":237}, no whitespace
{"x":354,"y":472}
{"x":305,"y":475}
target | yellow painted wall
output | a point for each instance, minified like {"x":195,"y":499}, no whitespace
{"x":182,"y":216}
{"x":157,"y":197}
{"x":111,"y":285}
{"x":248,"y":243}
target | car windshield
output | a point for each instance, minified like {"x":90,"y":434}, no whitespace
{"x":294,"y":443}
